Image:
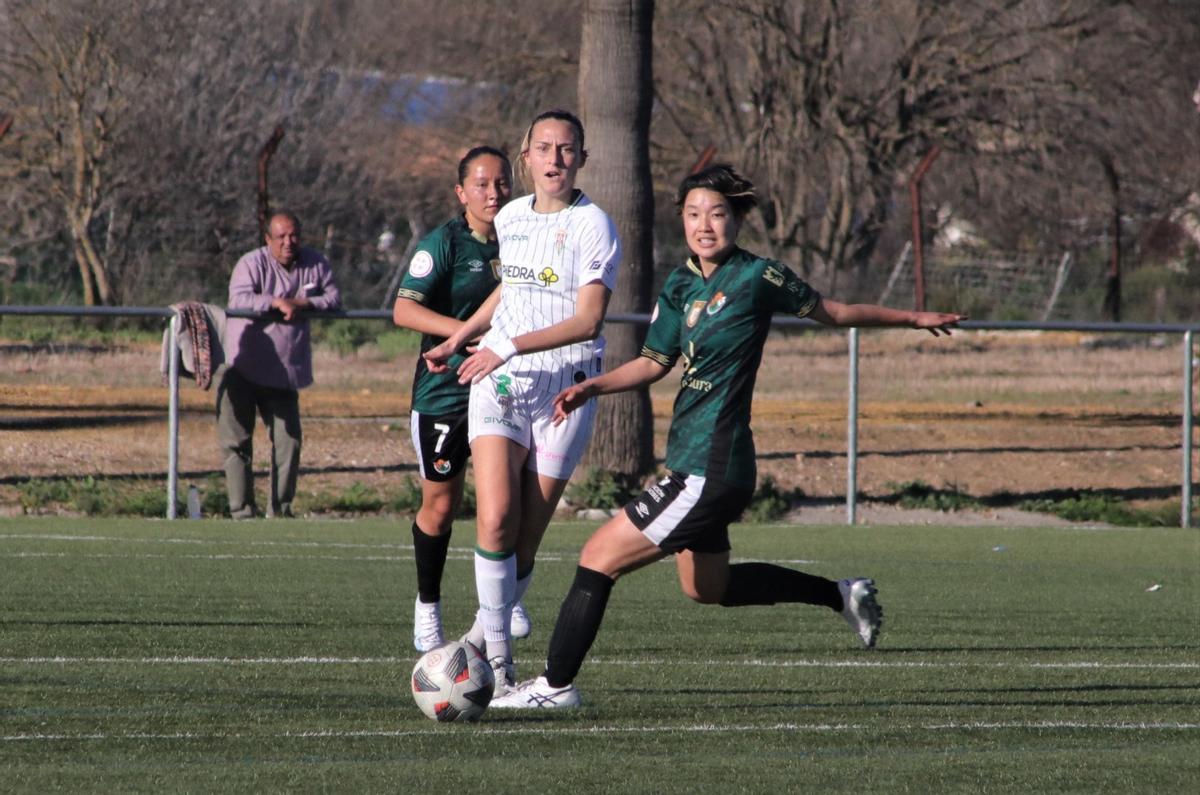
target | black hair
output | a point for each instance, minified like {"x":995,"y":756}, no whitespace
{"x":464,"y":165}
{"x":723,"y":179}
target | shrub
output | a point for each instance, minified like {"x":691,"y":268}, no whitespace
{"x":917,"y":494}
{"x":150,"y":502}
{"x":599,"y":488}
{"x":356,"y":498}
{"x":346,"y":336}
{"x":92,"y":498}
{"x":1107,"y":508}
{"x":398,"y":343}
{"x":769,"y":503}
{"x":214,"y":501}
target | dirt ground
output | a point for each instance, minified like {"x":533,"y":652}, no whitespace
{"x":983,"y":413}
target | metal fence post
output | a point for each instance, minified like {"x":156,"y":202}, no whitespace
{"x":852,"y":433}
{"x":1185,"y":508}
{"x":173,"y":417}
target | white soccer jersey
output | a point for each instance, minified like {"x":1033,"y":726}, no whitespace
{"x":545,"y":258}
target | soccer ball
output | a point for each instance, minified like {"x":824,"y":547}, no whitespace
{"x":453,"y":682}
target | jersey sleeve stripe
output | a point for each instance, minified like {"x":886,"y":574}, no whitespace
{"x":661,"y":358}
{"x":809,"y":305}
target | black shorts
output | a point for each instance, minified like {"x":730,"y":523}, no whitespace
{"x":441,"y":445}
{"x":688,"y":512}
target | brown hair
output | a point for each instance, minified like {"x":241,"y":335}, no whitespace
{"x":558,"y":115}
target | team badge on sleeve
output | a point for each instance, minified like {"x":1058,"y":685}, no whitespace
{"x":773,"y":276}
{"x":421,"y":265}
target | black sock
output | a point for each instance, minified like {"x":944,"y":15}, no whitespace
{"x":578,"y":623}
{"x":430,"y":552}
{"x":766,"y":584}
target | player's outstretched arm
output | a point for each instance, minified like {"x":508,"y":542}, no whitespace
{"x":835,"y":313}
{"x":437,"y":356}
{"x":407,"y":313}
{"x":585,"y":324}
{"x":631,"y":375}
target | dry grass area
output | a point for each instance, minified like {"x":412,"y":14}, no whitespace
{"x":981,"y":412}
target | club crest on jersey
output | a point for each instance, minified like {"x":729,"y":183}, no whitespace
{"x":717,"y":302}
{"x":441,"y":466}
{"x":693,"y":316}
{"x":547,"y":277}
{"x":503,"y":396}
{"x":497,"y":269}
{"x":773,"y":276}
{"x":560,"y":241}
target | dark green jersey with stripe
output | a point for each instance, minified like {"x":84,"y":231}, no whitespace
{"x":719,"y":326}
{"x":451,"y":273}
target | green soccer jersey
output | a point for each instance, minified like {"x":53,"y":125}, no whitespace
{"x":452,"y":273}
{"x":719,"y":326}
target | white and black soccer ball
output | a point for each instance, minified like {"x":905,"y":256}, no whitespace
{"x":453,"y":682}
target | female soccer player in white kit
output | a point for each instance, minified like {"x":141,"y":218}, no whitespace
{"x":559,"y":255}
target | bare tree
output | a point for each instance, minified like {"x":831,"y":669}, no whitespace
{"x":68,"y":87}
{"x":829,"y":104}
{"x":615,"y":75}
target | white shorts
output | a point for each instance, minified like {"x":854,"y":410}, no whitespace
{"x":513,"y":407}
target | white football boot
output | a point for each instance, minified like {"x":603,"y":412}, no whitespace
{"x":427,"y":626}
{"x":538,"y":694}
{"x":521,"y":624}
{"x":861,"y":611}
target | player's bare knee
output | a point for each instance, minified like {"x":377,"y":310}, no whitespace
{"x":435,"y":522}
{"x":597,"y":558}
{"x":704,"y":596}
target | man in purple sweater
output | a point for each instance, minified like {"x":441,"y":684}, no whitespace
{"x":269,"y":361}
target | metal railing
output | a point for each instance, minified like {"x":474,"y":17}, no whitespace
{"x":1185,"y":329}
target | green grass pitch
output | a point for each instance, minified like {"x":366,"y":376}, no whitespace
{"x":207,"y":655}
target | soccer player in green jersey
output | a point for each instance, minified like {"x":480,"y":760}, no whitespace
{"x":714,"y":313}
{"x":451,"y":274}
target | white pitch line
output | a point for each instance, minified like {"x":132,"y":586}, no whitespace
{"x":202,"y":541}
{"x":228,"y":556}
{"x":751,"y":663}
{"x":704,"y":728}
{"x":456,"y":553}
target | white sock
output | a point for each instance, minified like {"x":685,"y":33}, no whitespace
{"x":496,"y":584}
{"x":523,"y":586}
{"x":475,"y":636}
